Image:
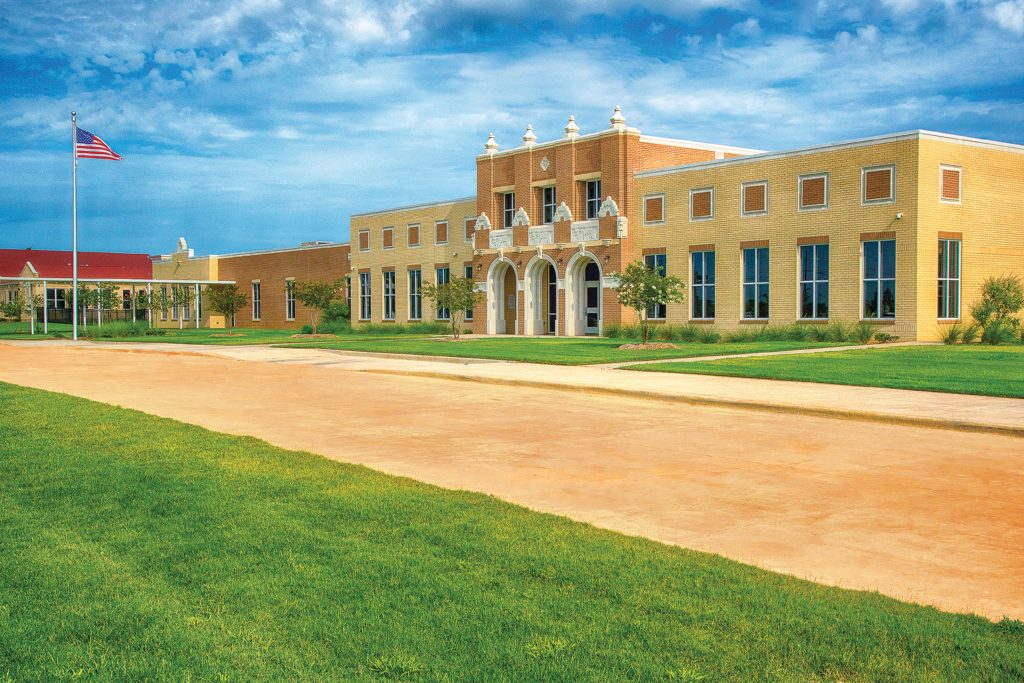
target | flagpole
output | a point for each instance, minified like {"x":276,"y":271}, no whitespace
{"x":74,"y":227}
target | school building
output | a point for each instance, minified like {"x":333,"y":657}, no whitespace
{"x":897,"y":230}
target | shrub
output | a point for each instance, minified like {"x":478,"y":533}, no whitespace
{"x":885,"y":337}
{"x":1001,"y":299}
{"x":58,"y":335}
{"x":120,"y":329}
{"x":998,"y":331}
{"x":708,"y":335}
{"x":864,"y":332}
{"x":613,"y":331}
{"x":952,"y":334}
{"x":970,"y":333}
{"x":406,"y":328}
{"x":306,"y":329}
{"x":337,"y":311}
{"x":155,"y":332}
{"x":839,"y":332}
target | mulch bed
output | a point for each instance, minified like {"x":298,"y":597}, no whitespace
{"x":647,"y":347}
{"x":314,"y":336}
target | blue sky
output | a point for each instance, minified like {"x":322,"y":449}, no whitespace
{"x":262,"y":123}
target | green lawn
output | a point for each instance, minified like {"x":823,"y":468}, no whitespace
{"x":138,"y":548}
{"x":558,"y":351}
{"x":986,"y":370}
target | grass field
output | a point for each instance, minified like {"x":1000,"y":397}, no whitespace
{"x":138,"y":548}
{"x":986,"y":370}
{"x":558,"y":351}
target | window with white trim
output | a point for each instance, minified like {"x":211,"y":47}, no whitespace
{"x":389,"y":294}
{"x":163,"y":303}
{"x":289,"y":299}
{"x":415,"y":298}
{"x":363,"y":237}
{"x":441,"y":278}
{"x":814,"y":281}
{"x":365,"y":304}
{"x":257,"y":305}
{"x":702,"y":204}
{"x":548,"y":204}
{"x":654,"y":209}
{"x":469,"y":275}
{"x":951,"y":180}
{"x":754,"y":198}
{"x":755,"y":283}
{"x":703,"y":288}
{"x":878,"y":184}
{"x":949,"y":279}
{"x":879,"y":279}
{"x":593,"y":194}
{"x":813,"y":192}
{"x":657,"y":263}
{"x":508,"y":209}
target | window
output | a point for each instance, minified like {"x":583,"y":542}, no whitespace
{"x":163,"y":303}
{"x":508,"y":211}
{"x":949,"y":279}
{"x":654,"y":209}
{"x":657,"y":263}
{"x":755,"y":283}
{"x":389,"y":295}
{"x":289,"y":299}
{"x":880,"y":279}
{"x":364,"y":240}
{"x":415,"y":298}
{"x":257,"y":307}
{"x":441,"y":232}
{"x":470,"y":226}
{"x":814,"y":281}
{"x":186,"y":305}
{"x":593,"y":198}
{"x":365,"y":307}
{"x":813,"y":192}
{"x":754,"y":198}
{"x":174,"y":303}
{"x":469,"y":275}
{"x":441,"y":277}
{"x":547,"y":195}
{"x":348,"y":292}
{"x":702,"y":204}
{"x":387,"y":238}
{"x":55,"y":298}
{"x":878,"y":184}
{"x":703,"y":285}
{"x":413,"y":238}
{"x":950,"y":184}
{"x":126,"y":299}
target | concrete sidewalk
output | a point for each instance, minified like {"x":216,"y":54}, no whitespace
{"x":896,"y":406}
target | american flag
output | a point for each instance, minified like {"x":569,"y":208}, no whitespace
{"x":89,"y":146}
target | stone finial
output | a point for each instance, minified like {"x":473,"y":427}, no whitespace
{"x":491,"y":146}
{"x":608,"y":208}
{"x":520,"y":217}
{"x":182,"y":244}
{"x":482,"y":222}
{"x":571,"y":129}
{"x":617,"y":119}
{"x":529,"y":137}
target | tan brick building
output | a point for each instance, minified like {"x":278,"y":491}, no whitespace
{"x":898,"y":230}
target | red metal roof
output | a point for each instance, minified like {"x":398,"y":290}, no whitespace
{"x":91,"y":264}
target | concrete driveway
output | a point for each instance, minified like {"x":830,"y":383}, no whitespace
{"x":929,"y":515}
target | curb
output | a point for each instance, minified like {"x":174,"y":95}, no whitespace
{"x":836,"y":413}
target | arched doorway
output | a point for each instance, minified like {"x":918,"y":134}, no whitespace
{"x":502,"y":298}
{"x":541,"y":300}
{"x":583,"y":295}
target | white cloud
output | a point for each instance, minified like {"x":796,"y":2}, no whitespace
{"x":1009,"y":15}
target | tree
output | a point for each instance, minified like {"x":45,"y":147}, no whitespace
{"x":316,"y":295}
{"x":11,"y":310}
{"x":86,"y":297}
{"x":1001,"y":299}
{"x":226,"y":300}
{"x":641,"y":288}
{"x":457,"y":295}
{"x":183,"y":296}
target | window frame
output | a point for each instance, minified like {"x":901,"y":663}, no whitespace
{"x":700,"y":190}
{"x":447,"y":234}
{"x":879,"y":279}
{"x":415,"y":297}
{"x":743,"y":198}
{"x":256,"y":292}
{"x":757,"y":283}
{"x":508,"y":209}
{"x":467,"y":232}
{"x":419,"y":235}
{"x":815,"y":282}
{"x":655,"y":195}
{"x":469,"y":275}
{"x":383,"y":244}
{"x":943,"y":293}
{"x":960,"y":184}
{"x":289,"y":298}
{"x":891,"y":199}
{"x":165,"y":303}
{"x":388,"y":297}
{"x":704,"y":286}
{"x":800,"y":191}
{"x":591,"y":205}
{"x":442,"y":313}
{"x":359,"y":239}
{"x":365,"y":296}
{"x":653,"y":311}
{"x":548,"y":216}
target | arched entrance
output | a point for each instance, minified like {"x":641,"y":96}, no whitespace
{"x":502,"y":298}
{"x":583,"y":295}
{"x":541,"y":300}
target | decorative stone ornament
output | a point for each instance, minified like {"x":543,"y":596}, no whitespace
{"x":545,"y":164}
{"x":482,"y":223}
{"x":520,"y":218}
{"x":618,"y":120}
{"x":491,"y":146}
{"x":571,"y":129}
{"x":608,"y":208}
{"x":182,"y":244}
{"x":562,"y":213}
{"x":529,"y":137}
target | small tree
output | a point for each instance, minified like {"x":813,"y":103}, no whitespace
{"x":457,"y":295}
{"x":316,"y":295}
{"x":87,"y":297}
{"x":1001,"y":299}
{"x":641,"y":288}
{"x":226,"y":300}
{"x":183,"y":296}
